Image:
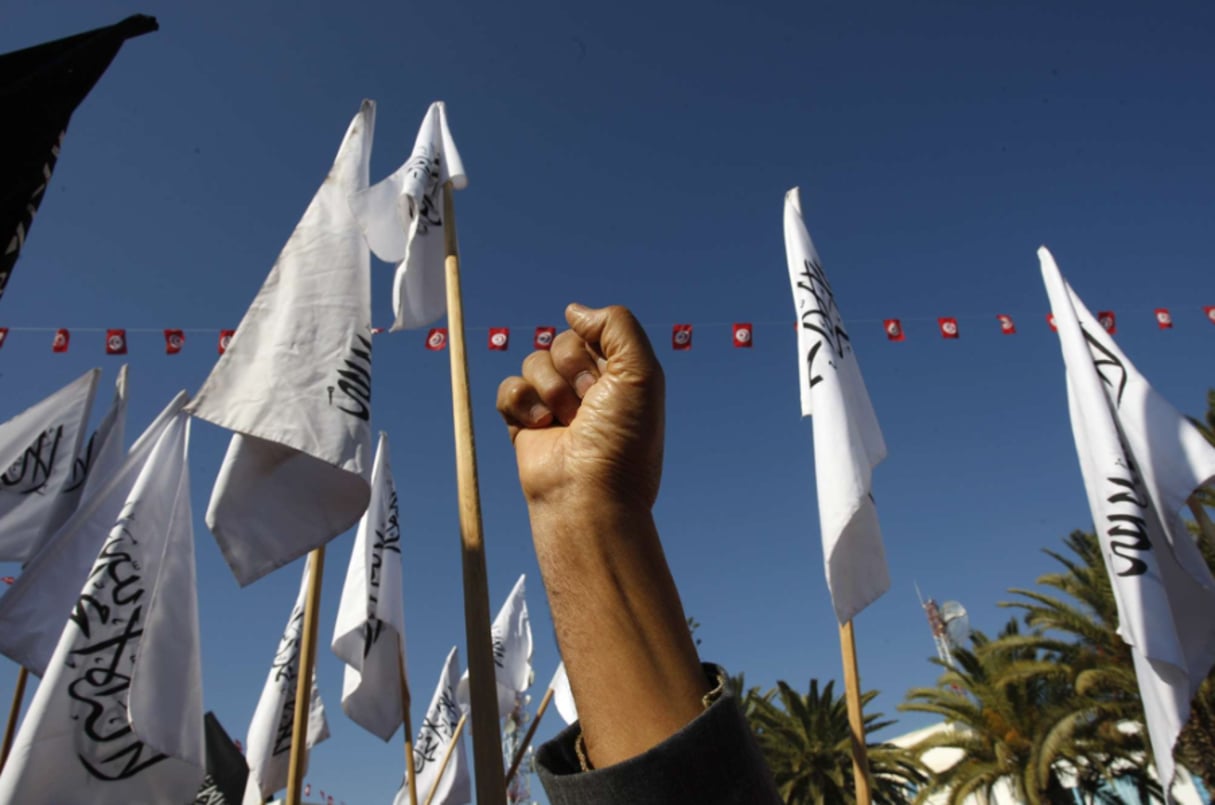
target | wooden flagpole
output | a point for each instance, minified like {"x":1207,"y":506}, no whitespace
{"x":10,"y":729}
{"x":856,"y":720}
{"x":411,"y":773}
{"x":527,"y":739}
{"x":451,"y":747}
{"x":303,"y":682}
{"x":487,"y":738}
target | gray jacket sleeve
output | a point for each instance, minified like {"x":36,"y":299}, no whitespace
{"x":714,"y":760}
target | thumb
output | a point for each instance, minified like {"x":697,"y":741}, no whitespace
{"x":615,"y":334}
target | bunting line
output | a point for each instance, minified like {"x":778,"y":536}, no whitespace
{"x":498,"y":338}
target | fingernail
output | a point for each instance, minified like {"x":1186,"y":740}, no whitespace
{"x":583,"y":383}
{"x":577,"y":309}
{"x":540,"y":415}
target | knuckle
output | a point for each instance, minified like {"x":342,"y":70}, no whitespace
{"x":511,"y":392}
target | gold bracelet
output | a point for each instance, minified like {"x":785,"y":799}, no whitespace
{"x":706,"y":701}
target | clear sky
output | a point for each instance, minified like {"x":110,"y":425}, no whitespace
{"x":638,"y":153}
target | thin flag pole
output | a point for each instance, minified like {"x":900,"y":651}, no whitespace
{"x":303,"y":682}
{"x":410,"y":771}
{"x":455,"y":736}
{"x":10,"y":729}
{"x":527,"y":739}
{"x":852,"y":695}
{"x":487,"y":738}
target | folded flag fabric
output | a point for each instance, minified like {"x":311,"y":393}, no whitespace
{"x":268,"y":742}
{"x":370,"y":633}
{"x":32,"y":611}
{"x":294,"y":385}
{"x":38,"y":448}
{"x":118,"y":717}
{"x":848,"y":443}
{"x":402,"y":218}
{"x":1141,"y":460}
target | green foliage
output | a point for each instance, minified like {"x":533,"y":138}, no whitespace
{"x":807,"y":742}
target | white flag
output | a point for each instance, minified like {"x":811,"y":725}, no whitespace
{"x":268,"y":742}
{"x":370,"y":632}
{"x":848,"y":443}
{"x":1140,"y":460}
{"x":32,"y":611}
{"x":563,"y":697}
{"x":295,"y":386}
{"x":512,"y":643}
{"x":118,"y":719}
{"x":102,"y":453}
{"x":437,"y":732}
{"x":402,"y":218}
{"x":38,"y":450}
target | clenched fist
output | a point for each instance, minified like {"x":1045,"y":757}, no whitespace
{"x":586,"y":417}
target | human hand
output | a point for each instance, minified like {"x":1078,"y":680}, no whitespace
{"x":586,"y":417}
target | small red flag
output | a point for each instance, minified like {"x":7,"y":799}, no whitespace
{"x":894,"y":329}
{"x":174,"y":339}
{"x":62,"y":338}
{"x":1164,"y":319}
{"x":1006,"y":324}
{"x":115,"y":342}
{"x":3,"y":335}
{"x":499,"y":338}
{"x":1050,"y":319}
{"x":681,"y":337}
{"x":544,"y":337}
{"x":1210,"y":311}
{"x":8,"y":579}
{"x":1108,"y":321}
{"x":436,"y":339}
{"x":225,"y":338}
{"x":377,"y":330}
{"x":949,"y":327}
{"x":742,"y":335}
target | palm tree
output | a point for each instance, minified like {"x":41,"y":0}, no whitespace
{"x":807,"y":742}
{"x":1002,"y":699}
{"x":1105,"y":683}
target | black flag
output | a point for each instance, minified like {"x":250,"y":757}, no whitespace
{"x":40,"y":87}
{"x":227,"y":771}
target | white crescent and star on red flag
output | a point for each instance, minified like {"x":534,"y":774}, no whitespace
{"x":894,"y":329}
{"x":949,"y":327}
{"x":116,"y":342}
{"x":544,"y":337}
{"x":436,"y":339}
{"x":60,"y":343}
{"x":174,"y":340}
{"x":681,"y":337}
{"x":499,"y":338}
{"x":225,"y":338}
{"x":1006,"y":324}
{"x":743,"y":335}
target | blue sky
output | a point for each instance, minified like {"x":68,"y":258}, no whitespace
{"x":638,"y":153}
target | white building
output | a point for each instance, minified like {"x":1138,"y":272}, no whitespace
{"x":939,"y":759}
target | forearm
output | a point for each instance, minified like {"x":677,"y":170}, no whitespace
{"x":620,"y":625}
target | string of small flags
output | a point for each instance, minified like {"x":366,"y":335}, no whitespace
{"x":498,"y":339}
